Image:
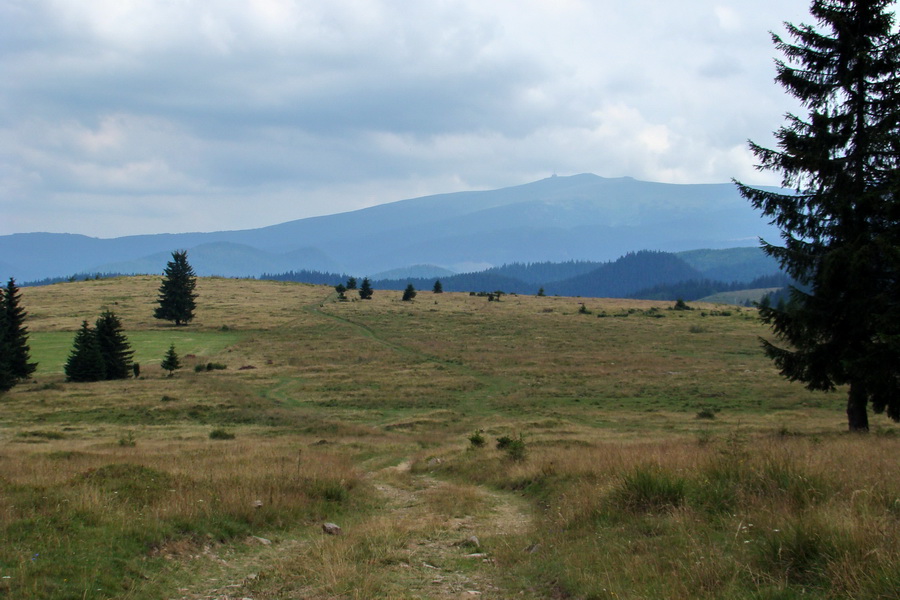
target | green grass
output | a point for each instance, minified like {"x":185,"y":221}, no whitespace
{"x":50,"y":349}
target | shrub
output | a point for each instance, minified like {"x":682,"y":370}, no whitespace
{"x":516,"y":450}
{"x":514,"y":447}
{"x":681,"y":305}
{"x":220,"y":434}
{"x":706,"y":413}
{"x":127,"y":440}
{"x":477,"y":440}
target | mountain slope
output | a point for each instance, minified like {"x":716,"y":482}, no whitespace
{"x":582,"y":217}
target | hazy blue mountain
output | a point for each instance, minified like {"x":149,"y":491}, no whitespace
{"x":613,"y":279}
{"x":414,"y":272}
{"x":731,"y":264}
{"x":582,"y":218}
{"x":632,"y":272}
{"x":545,"y":272}
{"x":218,"y":258}
{"x":647,"y":274}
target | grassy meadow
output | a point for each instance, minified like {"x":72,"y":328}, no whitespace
{"x":643,"y":453}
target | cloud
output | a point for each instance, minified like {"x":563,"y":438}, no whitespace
{"x":242,"y":113}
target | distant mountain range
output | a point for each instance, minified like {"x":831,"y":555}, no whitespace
{"x":559,"y":219}
{"x":646,"y":274}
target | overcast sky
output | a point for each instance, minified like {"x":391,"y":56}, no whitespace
{"x":120,"y":117}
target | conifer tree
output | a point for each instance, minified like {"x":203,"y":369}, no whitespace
{"x":114,"y":346}
{"x":351,"y":283}
{"x":7,"y":379}
{"x":841,"y":229}
{"x":365,"y":289}
{"x":85,"y":362}
{"x":14,"y":335}
{"x":176,"y":294}
{"x":409,"y":293}
{"x":438,"y":287}
{"x":170,"y":361}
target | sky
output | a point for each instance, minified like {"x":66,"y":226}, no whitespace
{"x":121,"y":117}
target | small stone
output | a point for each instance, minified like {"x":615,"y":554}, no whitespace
{"x":260,"y":540}
{"x":532,"y":548}
{"x":257,"y":504}
{"x":435,"y":462}
{"x":331,"y":529}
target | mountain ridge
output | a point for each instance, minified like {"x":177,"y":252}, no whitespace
{"x":578,"y":217}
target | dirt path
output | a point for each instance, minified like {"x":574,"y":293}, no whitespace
{"x":455,"y":527}
{"x":430,"y":539}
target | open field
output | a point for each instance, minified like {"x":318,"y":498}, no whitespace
{"x":661,"y":455}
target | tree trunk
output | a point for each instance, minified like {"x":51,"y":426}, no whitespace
{"x":857,"y":414}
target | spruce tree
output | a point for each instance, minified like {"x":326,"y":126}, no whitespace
{"x":176,"y":294}
{"x":7,"y":379}
{"x":840,"y":223}
{"x":170,"y":361}
{"x":365,"y":289}
{"x":438,"y":287}
{"x":85,"y":362}
{"x":14,"y":334}
{"x":114,"y":346}
{"x":409,"y":293}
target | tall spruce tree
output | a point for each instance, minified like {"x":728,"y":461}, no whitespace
{"x":7,"y":379}
{"x":365,"y":290}
{"x":841,"y":229}
{"x":114,"y":346}
{"x":16,"y":359}
{"x":85,"y":362}
{"x":176,"y":294}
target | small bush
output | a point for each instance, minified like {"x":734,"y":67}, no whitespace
{"x":477,"y":440}
{"x":503,"y":442}
{"x":168,"y":399}
{"x":705,"y":413}
{"x":681,"y":305}
{"x":514,"y":447}
{"x":127,"y":440}
{"x":220,"y":434}
{"x":211,"y":366}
